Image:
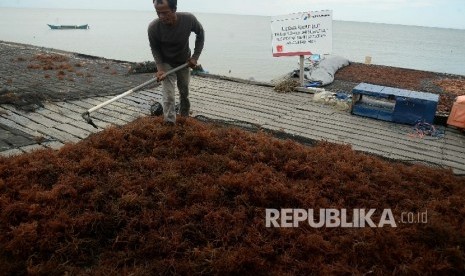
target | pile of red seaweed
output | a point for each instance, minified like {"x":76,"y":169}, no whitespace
{"x":148,"y":199}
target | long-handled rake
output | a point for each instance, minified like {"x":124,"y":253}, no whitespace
{"x":86,"y":115}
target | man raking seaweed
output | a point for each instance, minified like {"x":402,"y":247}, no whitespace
{"x":169,"y":41}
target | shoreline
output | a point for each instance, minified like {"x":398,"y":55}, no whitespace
{"x":82,"y":55}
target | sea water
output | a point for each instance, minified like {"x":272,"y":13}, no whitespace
{"x":236,"y":45}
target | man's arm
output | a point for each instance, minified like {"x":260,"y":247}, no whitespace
{"x":154,"y":45}
{"x":199,"y":39}
{"x":156,"y":53}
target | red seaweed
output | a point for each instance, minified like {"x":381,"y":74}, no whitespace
{"x":151,"y":199}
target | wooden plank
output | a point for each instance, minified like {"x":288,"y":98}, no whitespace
{"x":70,"y":129}
{"x":349,"y":136}
{"x":10,"y":153}
{"x":61,"y":135}
{"x":101,"y":115}
{"x":49,"y":132}
{"x":67,"y":118}
{"x":11,"y":123}
{"x":386,"y":149}
{"x":77,"y":120}
{"x":250,"y":95}
{"x":20,"y":120}
{"x":234,"y":109}
{"x":31,"y":148}
{"x":233,"y":112}
{"x":59,"y":117}
{"x":114,"y":108}
{"x":101,"y":123}
{"x":264,"y":106}
{"x":53,"y":144}
{"x":34,"y":117}
{"x":378,"y":132}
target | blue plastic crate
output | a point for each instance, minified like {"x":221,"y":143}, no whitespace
{"x":410,"y":106}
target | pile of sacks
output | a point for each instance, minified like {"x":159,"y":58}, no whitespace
{"x":321,"y":71}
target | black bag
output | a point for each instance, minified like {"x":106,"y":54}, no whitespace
{"x":156,"y":109}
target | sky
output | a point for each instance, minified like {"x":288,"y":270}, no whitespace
{"x":430,"y":13}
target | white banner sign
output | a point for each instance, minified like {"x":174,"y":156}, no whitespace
{"x":301,"y":34}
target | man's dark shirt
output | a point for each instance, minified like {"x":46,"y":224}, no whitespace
{"x":170,"y":44}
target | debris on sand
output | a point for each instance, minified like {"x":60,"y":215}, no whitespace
{"x":143,"y":67}
{"x":286,"y":86}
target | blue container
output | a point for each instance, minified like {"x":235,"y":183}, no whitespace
{"x":409,"y":106}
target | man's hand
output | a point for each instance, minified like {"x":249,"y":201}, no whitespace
{"x":192,"y":62}
{"x":160,"y":75}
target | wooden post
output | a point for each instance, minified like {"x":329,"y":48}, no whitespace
{"x":302,"y":71}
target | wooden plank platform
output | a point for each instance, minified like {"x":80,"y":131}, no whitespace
{"x":292,"y":113}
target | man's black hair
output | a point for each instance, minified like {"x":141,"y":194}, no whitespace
{"x":173,"y":4}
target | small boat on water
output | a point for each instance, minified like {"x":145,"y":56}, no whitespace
{"x":67,"y":27}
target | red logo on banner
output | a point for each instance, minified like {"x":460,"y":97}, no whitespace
{"x":279,"y":48}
